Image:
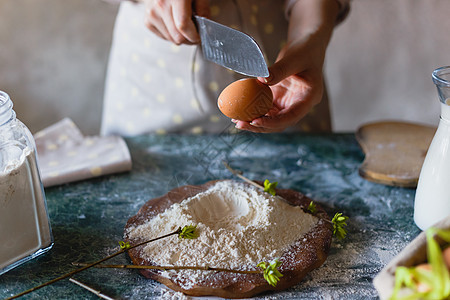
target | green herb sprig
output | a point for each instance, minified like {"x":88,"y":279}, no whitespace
{"x":189,"y":232}
{"x":270,"y":272}
{"x":312,"y":208}
{"x":269,"y":187}
{"x":124,"y":246}
{"x":339,"y":223}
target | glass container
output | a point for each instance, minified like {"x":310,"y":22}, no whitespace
{"x":432,"y":200}
{"x":24,"y":224}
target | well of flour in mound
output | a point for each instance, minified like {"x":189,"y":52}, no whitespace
{"x":239,"y":226}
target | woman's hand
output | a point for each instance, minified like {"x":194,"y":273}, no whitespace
{"x":294,"y":96}
{"x":296,"y":78}
{"x":172,"y":19}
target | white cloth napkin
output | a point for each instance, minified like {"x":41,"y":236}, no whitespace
{"x":65,"y":155}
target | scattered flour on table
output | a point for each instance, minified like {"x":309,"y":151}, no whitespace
{"x":171,"y":295}
{"x":238,"y":225}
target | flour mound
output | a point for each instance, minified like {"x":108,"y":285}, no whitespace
{"x":238,"y":225}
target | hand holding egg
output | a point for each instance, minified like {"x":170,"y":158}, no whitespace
{"x":245,"y":100}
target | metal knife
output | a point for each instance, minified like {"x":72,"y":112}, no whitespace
{"x":231,"y":48}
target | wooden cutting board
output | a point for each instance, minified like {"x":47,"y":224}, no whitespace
{"x":394,"y":151}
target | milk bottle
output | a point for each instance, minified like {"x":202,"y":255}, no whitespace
{"x":432,"y":201}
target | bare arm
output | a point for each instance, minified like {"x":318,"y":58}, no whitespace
{"x":296,"y":78}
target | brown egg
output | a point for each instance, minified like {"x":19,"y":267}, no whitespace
{"x":245,"y":99}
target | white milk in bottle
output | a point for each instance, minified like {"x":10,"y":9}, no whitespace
{"x":432,"y":201}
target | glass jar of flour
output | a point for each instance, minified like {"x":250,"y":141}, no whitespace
{"x":24,"y":225}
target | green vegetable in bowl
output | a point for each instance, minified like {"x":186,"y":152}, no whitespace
{"x":425,"y":281}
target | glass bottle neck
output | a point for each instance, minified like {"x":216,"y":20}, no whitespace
{"x":6,"y":109}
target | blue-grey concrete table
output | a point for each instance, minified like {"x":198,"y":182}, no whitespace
{"x":88,"y":217}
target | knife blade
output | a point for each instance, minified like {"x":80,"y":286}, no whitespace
{"x":231,"y":48}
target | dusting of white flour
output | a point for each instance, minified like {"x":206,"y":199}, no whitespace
{"x":238,"y":225}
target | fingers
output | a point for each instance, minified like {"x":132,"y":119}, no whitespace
{"x":293,"y":99}
{"x":272,"y":122}
{"x":290,"y":62}
{"x":156,"y":25}
{"x":268,"y":124}
{"x":241,"y":125}
{"x":183,"y":26}
{"x":172,"y":20}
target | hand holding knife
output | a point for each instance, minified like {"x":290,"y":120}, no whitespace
{"x":222,"y":45}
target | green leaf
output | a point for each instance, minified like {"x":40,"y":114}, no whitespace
{"x":262,"y":265}
{"x":312,"y":207}
{"x":339,"y":222}
{"x":270,"y":187}
{"x":124,"y":245}
{"x":403,"y":276}
{"x":270,"y":272}
{"x":188,"y":232}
